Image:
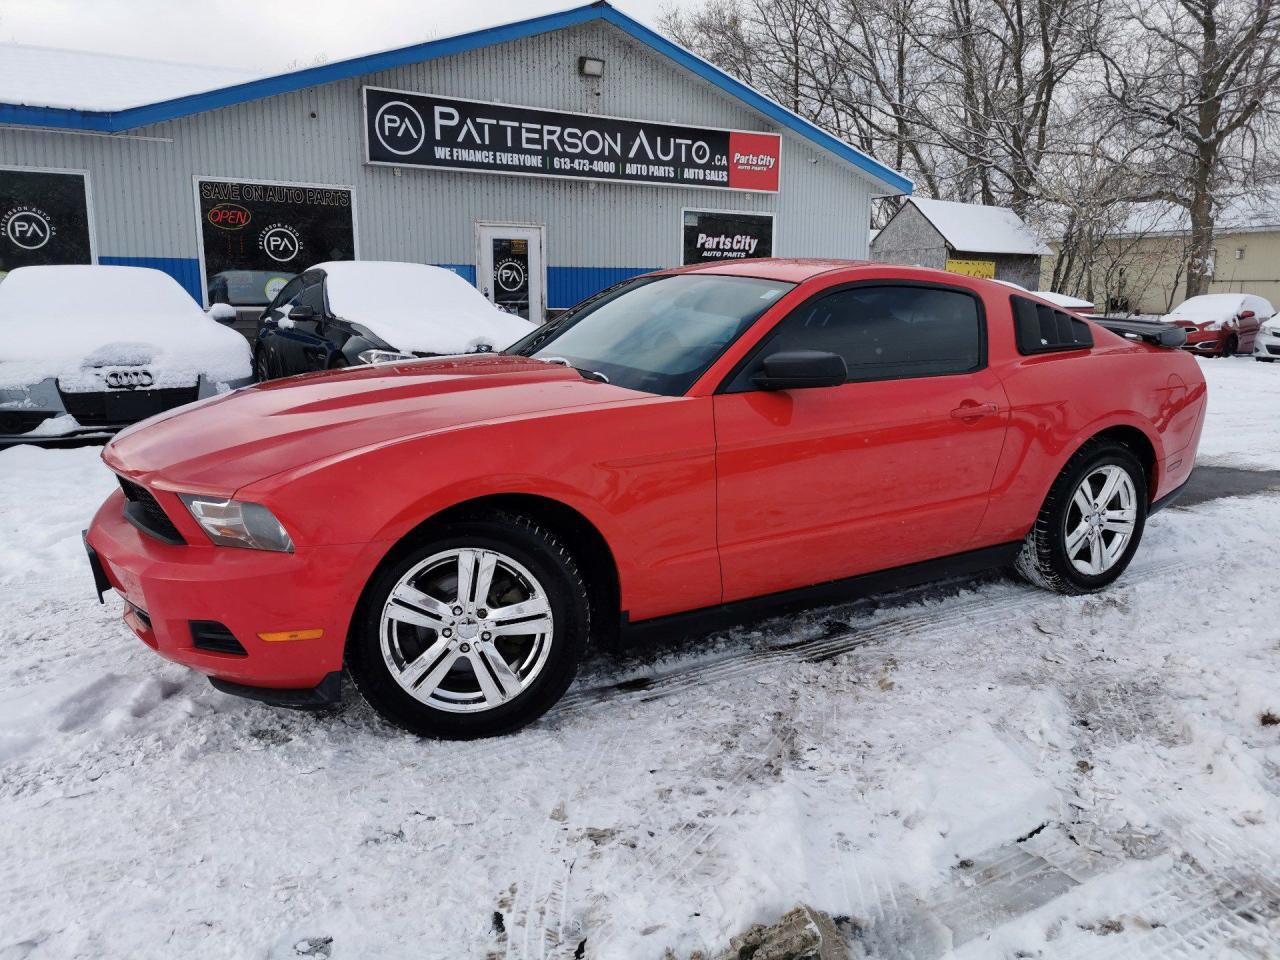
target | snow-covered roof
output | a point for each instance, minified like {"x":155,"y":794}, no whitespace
{"x":80,"y":80}
{"x":974,"y":228}
{"x":1259,"y":210}
{"x":69,"y":100}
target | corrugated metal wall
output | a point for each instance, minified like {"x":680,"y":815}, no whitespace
{"x":144,"y":203}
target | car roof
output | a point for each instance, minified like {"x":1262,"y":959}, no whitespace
{"x":793,"y":269}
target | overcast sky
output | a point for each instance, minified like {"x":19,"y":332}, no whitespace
{"x":266,"y":34}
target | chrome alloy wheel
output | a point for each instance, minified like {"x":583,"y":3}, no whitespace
{"x":466,"y":630}
{"x":1100,"y":520}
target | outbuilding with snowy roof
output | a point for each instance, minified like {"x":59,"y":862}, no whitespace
{"x":969,"y":238}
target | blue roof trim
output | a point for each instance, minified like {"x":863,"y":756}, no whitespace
{"x":119,"y":121}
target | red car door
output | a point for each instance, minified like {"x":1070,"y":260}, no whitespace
{"x":893,"y":467}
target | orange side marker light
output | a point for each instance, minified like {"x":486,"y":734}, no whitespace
{"x":283,"y":636}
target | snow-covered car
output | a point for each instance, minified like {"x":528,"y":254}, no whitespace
{"x":343,"y":313}
{"x":91,"y":349}
{"x":1266,"y":346}
{"x":1221,"y":324}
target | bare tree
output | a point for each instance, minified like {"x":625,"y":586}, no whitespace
{"x":1197,"y":77}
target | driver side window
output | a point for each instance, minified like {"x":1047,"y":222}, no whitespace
{"x":313,"y":296}
{"x":286,"y":294}
{"x":883,"y":333}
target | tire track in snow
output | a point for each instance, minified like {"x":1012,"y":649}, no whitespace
{"x":693,"y":842}
{"x":978,"y":611}
{"x":540,"y":909}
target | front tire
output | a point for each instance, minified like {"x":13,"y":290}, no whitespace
{"x":1231,"y":347}
{"x":474,"y":631}
{"x":1091,"y":523}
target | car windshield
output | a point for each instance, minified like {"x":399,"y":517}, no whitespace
{"x":655,"y":334}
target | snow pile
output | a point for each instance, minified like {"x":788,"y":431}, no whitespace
{"x":418,"y":308}
{"x":1065,"y":301}
{"x":75,"y":322}
{"x":974,"y":228}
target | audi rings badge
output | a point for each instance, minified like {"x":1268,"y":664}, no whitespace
{"x":129,"y":379}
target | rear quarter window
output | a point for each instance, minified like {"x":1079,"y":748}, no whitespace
{"x":1040,"y":328}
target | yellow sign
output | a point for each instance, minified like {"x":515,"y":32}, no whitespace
{"x":986,"y":269}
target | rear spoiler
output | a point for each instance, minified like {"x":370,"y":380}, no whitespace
{"x":1148,"y":331}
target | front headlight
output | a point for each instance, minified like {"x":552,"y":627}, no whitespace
{"x":383,"y":356}
{"x":235,"y":523}
{"x":1213,"y":326}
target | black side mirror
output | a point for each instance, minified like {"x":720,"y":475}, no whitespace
{"x":798,"y":369}
{"x":302,"y":312}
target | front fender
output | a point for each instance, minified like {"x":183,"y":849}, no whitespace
{"x":643,"y":474}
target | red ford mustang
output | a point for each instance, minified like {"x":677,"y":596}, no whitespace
{"x":705,"y":441}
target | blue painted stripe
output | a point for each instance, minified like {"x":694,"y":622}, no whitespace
{"x":186,"y":270}
{"x":110,"y":122}
{"x":467,"y":271}
{"x":569,"y":285}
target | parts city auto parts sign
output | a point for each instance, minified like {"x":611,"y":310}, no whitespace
{"x":274,"y":228}
{"x":44,"y":219}
{"x":714,"y":235}
{"x":445,"y":133}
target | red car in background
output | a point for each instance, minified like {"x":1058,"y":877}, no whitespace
{"x":706,"y":441}
{"x":1221,"y":324}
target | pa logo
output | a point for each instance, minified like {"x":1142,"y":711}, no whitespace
{"x":280,"y":242}
{"x":510,"y":275}
{"x":399,"y":128}
{"x":27,"y":227}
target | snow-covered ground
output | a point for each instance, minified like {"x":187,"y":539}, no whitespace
{"x":983,"y":770}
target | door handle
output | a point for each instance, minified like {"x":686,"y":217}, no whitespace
{"x":972,"y":411}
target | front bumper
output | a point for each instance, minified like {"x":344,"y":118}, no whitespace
{"x":1266,"y":347}
{"x":167,"y":588}
{"x":1205,"y":341}
{"x":44,"y":412}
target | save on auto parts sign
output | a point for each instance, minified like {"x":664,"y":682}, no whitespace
{"x":714,"y":235}
{"x":271,"y":231}
{"x":446,"y":133}
{"x":44,"y":219}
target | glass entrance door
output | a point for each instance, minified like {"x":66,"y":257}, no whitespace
{"x":510,"y":269}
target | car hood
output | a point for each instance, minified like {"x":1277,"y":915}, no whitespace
{"x":221,"y":444}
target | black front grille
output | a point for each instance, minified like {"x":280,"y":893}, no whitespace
{"x":144,"y":512}
{"x":213,"y":636}
{"x":14,"y":422}
{"x":117,"y":408}
{"x":1273,"y":350}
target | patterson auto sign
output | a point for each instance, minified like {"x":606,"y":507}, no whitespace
{"x":446,"y":133}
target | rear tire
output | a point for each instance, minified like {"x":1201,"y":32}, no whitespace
{"x":1075,"y":545}
{"x":438,"y":672}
